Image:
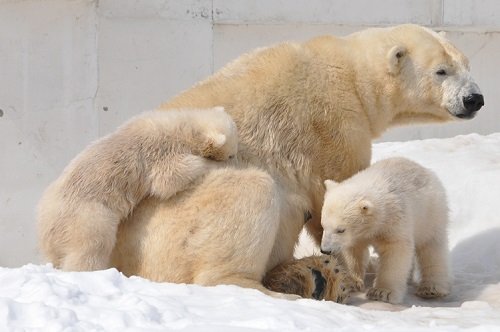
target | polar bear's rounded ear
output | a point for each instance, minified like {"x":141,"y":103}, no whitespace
{"x":329,"y":184}
{"x":218,"y":140}
{"x":366,"y":207}
{"x":395,"y":58}
{"x":442,"y":34}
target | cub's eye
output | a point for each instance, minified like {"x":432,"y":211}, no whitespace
{"x":441,"y":72}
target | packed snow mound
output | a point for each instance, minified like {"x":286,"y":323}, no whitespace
{"x":38,"y":297}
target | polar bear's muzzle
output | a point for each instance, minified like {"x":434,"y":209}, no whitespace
{"x":471,"y":104}
{"x":462,"y":97}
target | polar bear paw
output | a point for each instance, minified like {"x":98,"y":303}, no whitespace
{"x":356,"y":284}
{"x":344,"y":293}
{"x":383,"y":294}
{"x":220,"y":146}
{"x":431,"y":291}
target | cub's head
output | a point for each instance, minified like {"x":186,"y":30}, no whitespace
{"x":347,"y":216}
{"x":432,"y":77}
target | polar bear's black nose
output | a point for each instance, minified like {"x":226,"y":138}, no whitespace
{"x":325,"y":252}
{"x":473,"y":102}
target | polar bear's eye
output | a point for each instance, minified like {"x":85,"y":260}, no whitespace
{"x":441,"y":72}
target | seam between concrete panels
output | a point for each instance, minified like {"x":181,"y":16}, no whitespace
{"x":98,"y":67}
{"x":440,"y":9}
{"x":212,"y":47}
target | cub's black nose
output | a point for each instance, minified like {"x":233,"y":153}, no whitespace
{"x":325,"y":252}
{"x":473,"y":102}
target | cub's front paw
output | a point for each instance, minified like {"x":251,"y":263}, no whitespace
{"x":384,"y":295}
{"x":214,"y":148}
{"x":429,"y":290}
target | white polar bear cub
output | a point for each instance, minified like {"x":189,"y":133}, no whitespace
{"x":157,"y":153}
{"x":400,"y":208}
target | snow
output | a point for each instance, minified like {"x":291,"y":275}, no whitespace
{"x":38,"y":297}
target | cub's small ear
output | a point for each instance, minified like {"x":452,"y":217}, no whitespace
{"x":395,"y":58}
{"x":330,"y":184}
{"x":212,"y":147}
{"x":218,"y":140}
{"x":366,"y":207}
{"x":442,"y":34}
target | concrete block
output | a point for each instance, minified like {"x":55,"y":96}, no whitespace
{"x":49,"y":79}
{"x":230,"y":41}
{"x":361,"y":12}
{"x":174,"y":10}
{"x":474,"y":13}
{"x":143,"y":63}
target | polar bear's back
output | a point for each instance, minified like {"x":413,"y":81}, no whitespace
{"x":421,"y":193}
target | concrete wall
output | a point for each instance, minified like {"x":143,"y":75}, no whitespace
{"x":72,"y":70}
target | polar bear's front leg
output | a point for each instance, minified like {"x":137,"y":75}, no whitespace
{"x":356,"y":258}
{"x":394,"y":267}
{"x":169,"y":177}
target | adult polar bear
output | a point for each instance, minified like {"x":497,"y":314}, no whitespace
{"x":305,"y":113}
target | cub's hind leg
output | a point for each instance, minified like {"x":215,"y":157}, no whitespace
{"x":89,"y":238}
{"x":433,"y":263}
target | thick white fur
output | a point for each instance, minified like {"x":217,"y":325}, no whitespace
{"x":193,"y":232}
{"x":155,"y":154}
{"x":305,"y":113}
{"x":400,"y":208}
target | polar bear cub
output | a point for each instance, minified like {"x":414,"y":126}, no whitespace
{"x":400,"y":208}
{"x":157,"y":153}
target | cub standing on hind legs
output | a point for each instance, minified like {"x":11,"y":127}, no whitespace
{"x":400,"y":208}
{"x":154,"y":154}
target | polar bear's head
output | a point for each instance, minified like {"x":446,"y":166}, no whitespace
{"x":434,"y":74}
{"x":431,"y":77}
{"x":348,"y":216}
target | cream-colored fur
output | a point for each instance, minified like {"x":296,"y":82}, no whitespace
{"x":305,"y":113}
{"x":155,"y":154}
{"x":317,"y":277}
{"x":400,"y":208}
{"x":189,"y":239}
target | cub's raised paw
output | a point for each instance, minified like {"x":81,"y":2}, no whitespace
{"x":431,"y":291}
{"x":379,"y":294}
{"x":220,"y":147}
